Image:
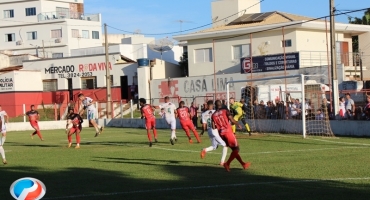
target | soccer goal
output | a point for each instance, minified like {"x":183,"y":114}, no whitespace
{"x":295,"y":104}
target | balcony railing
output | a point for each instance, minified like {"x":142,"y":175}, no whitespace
{"x":68,"y":15}
{"x":321,"y":58}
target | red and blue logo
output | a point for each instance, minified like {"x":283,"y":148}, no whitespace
{"x":27,"y":189}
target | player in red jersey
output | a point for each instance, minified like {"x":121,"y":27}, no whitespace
{"x":220,"y":120}
{"x":33,"y":117}
{"x":148,"y":114}
{"x":183,"y":113}
{"x":76,"y":121}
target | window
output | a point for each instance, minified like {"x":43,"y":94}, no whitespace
{"x":203,"y":55}
{"x":85,"y":34}
{"x":30,"y":11}
{"x":32,"y":35}
{"x":240,"y":51}
{"x":286,"y":43}
{"x":50,"y":85}
{"x":75,"y":33}
{"x":88,"y":82}
{"x":57,"y":55}
{"x":8,"y":13}
{"x":57,"y":33}
{"x":10,"y":37}
{"x":95,"y":35}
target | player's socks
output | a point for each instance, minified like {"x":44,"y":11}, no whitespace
{"x":2,"y":152}
{"x":149,"y":136}
{"x":97,"y":129}
{"x":39,"y":134}
{"x":101,"y":129}
{"x":196,"y":135}
{"x":187,"y":133}
{"x":155,"y":133}
{"x":70,"y":139}
{"x":248,"y":129}
{"x":209,"y":149}
{"x":232,"y":157}
{"x":224,"y":154}
{"x":3,"y":140}
{"x":173,"y":135}
{"x":237,"y":156}
{"x":78,"y":139}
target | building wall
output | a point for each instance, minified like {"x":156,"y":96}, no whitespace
{"x":364,"y":47}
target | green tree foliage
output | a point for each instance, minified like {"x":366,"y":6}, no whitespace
{"x":365,"y":20}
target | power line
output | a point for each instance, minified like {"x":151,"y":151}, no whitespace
{"x":171,"y":33}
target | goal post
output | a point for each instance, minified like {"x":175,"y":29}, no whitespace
{"x":304,"y":114}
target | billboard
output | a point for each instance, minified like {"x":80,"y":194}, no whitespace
{"x":269,"y":63}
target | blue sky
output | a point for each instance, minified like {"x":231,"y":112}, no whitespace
{"x":160,"y":16}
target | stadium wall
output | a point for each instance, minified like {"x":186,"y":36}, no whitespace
{"x":44,"y":125}
{"x":339,"y":128}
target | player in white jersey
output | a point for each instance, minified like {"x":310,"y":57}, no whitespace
{"x":170,"y":116}
{"x":4,"y":119}
{"x":88,"y":104}
{"x":212,"y":133}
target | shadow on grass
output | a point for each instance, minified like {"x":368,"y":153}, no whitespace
{"x":189,"y":182}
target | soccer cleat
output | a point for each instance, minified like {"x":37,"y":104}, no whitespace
{"x":156,"y":141}
{"x":4,"y":162}
{"x":101,"y":129}
{"x":97,"y":134}
{"x":222,"y":164}
{"x":246,"y":165}
{"x":77,"y":147}
{"x":175,"y":139}
{"x":171,"y":140}
{"x":190,"y":141}
{"x":250,"y":133}
{"x":69,"y":145}
{"x":42,"y":139}
{"x":150,"y":144}
{"x":203,"y":153}
{"x":227,"y":167}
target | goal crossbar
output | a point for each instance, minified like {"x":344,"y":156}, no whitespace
{"x":269,"y":78}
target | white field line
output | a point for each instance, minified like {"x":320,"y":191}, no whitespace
{"x":208,"y":187}
{"x":263,"y":152}
{"x":322,"y":140}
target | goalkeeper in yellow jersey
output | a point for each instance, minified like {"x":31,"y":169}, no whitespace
{"x":236,"y":109}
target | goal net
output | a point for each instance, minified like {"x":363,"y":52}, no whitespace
{"x":294,"y":104}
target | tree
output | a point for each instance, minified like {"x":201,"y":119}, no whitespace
{"x":184,"y":64}
{"x":365,"y":20}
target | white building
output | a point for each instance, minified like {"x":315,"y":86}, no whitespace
{"x":134,"y":47}
{"x":47,"y":28}
{"x":220,"y":48}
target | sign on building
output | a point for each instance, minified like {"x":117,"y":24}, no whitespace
{"x":269,"y":63}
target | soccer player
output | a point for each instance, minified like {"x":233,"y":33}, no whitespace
{"x":220,"y":120}
{"x":3,"y":120}
{"x":147,"y":113}
{"x":88,"y":104}
{"x":33,"y":117}
{"x":76,"y":121}
{"x":183,"y":113}
{"x":212,"y":133}
{"x":238,"y":114}
{"x":69,"y":120}
{"x":170,"y":116}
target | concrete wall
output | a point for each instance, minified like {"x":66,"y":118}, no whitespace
{"x":364,"y":47}
{"x":44,"y":125}
{"x":339,"y":128}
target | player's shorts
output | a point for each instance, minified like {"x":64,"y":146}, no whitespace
{"x":238,"y":117}
{"x":229,"y":139}
{"x":35,"y":124}
{"x":172,"y":123}
{"x":187,"y":125}
{"x":150,"y":123}
{"x":70,"y":126}
{"x":75,"y":129}
{"x":3,"y":128}
{"x":91,"y":114}
{"x":215,"y":138}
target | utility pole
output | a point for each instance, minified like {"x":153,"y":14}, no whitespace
{"x":334,"y":66}
{"x":107,"y":70}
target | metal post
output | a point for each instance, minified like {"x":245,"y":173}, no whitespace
{"x":107,"y":70}
{"x":132,"y":110}
{"x":333,"y":58}
{"x":43,"y":48}
{"x":227,"y":95}
{"x":121,"y":109}
{"x":24,"y":112}
{"x":303,"y":107}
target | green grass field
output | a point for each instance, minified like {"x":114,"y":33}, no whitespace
{"x":120,"y":165}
